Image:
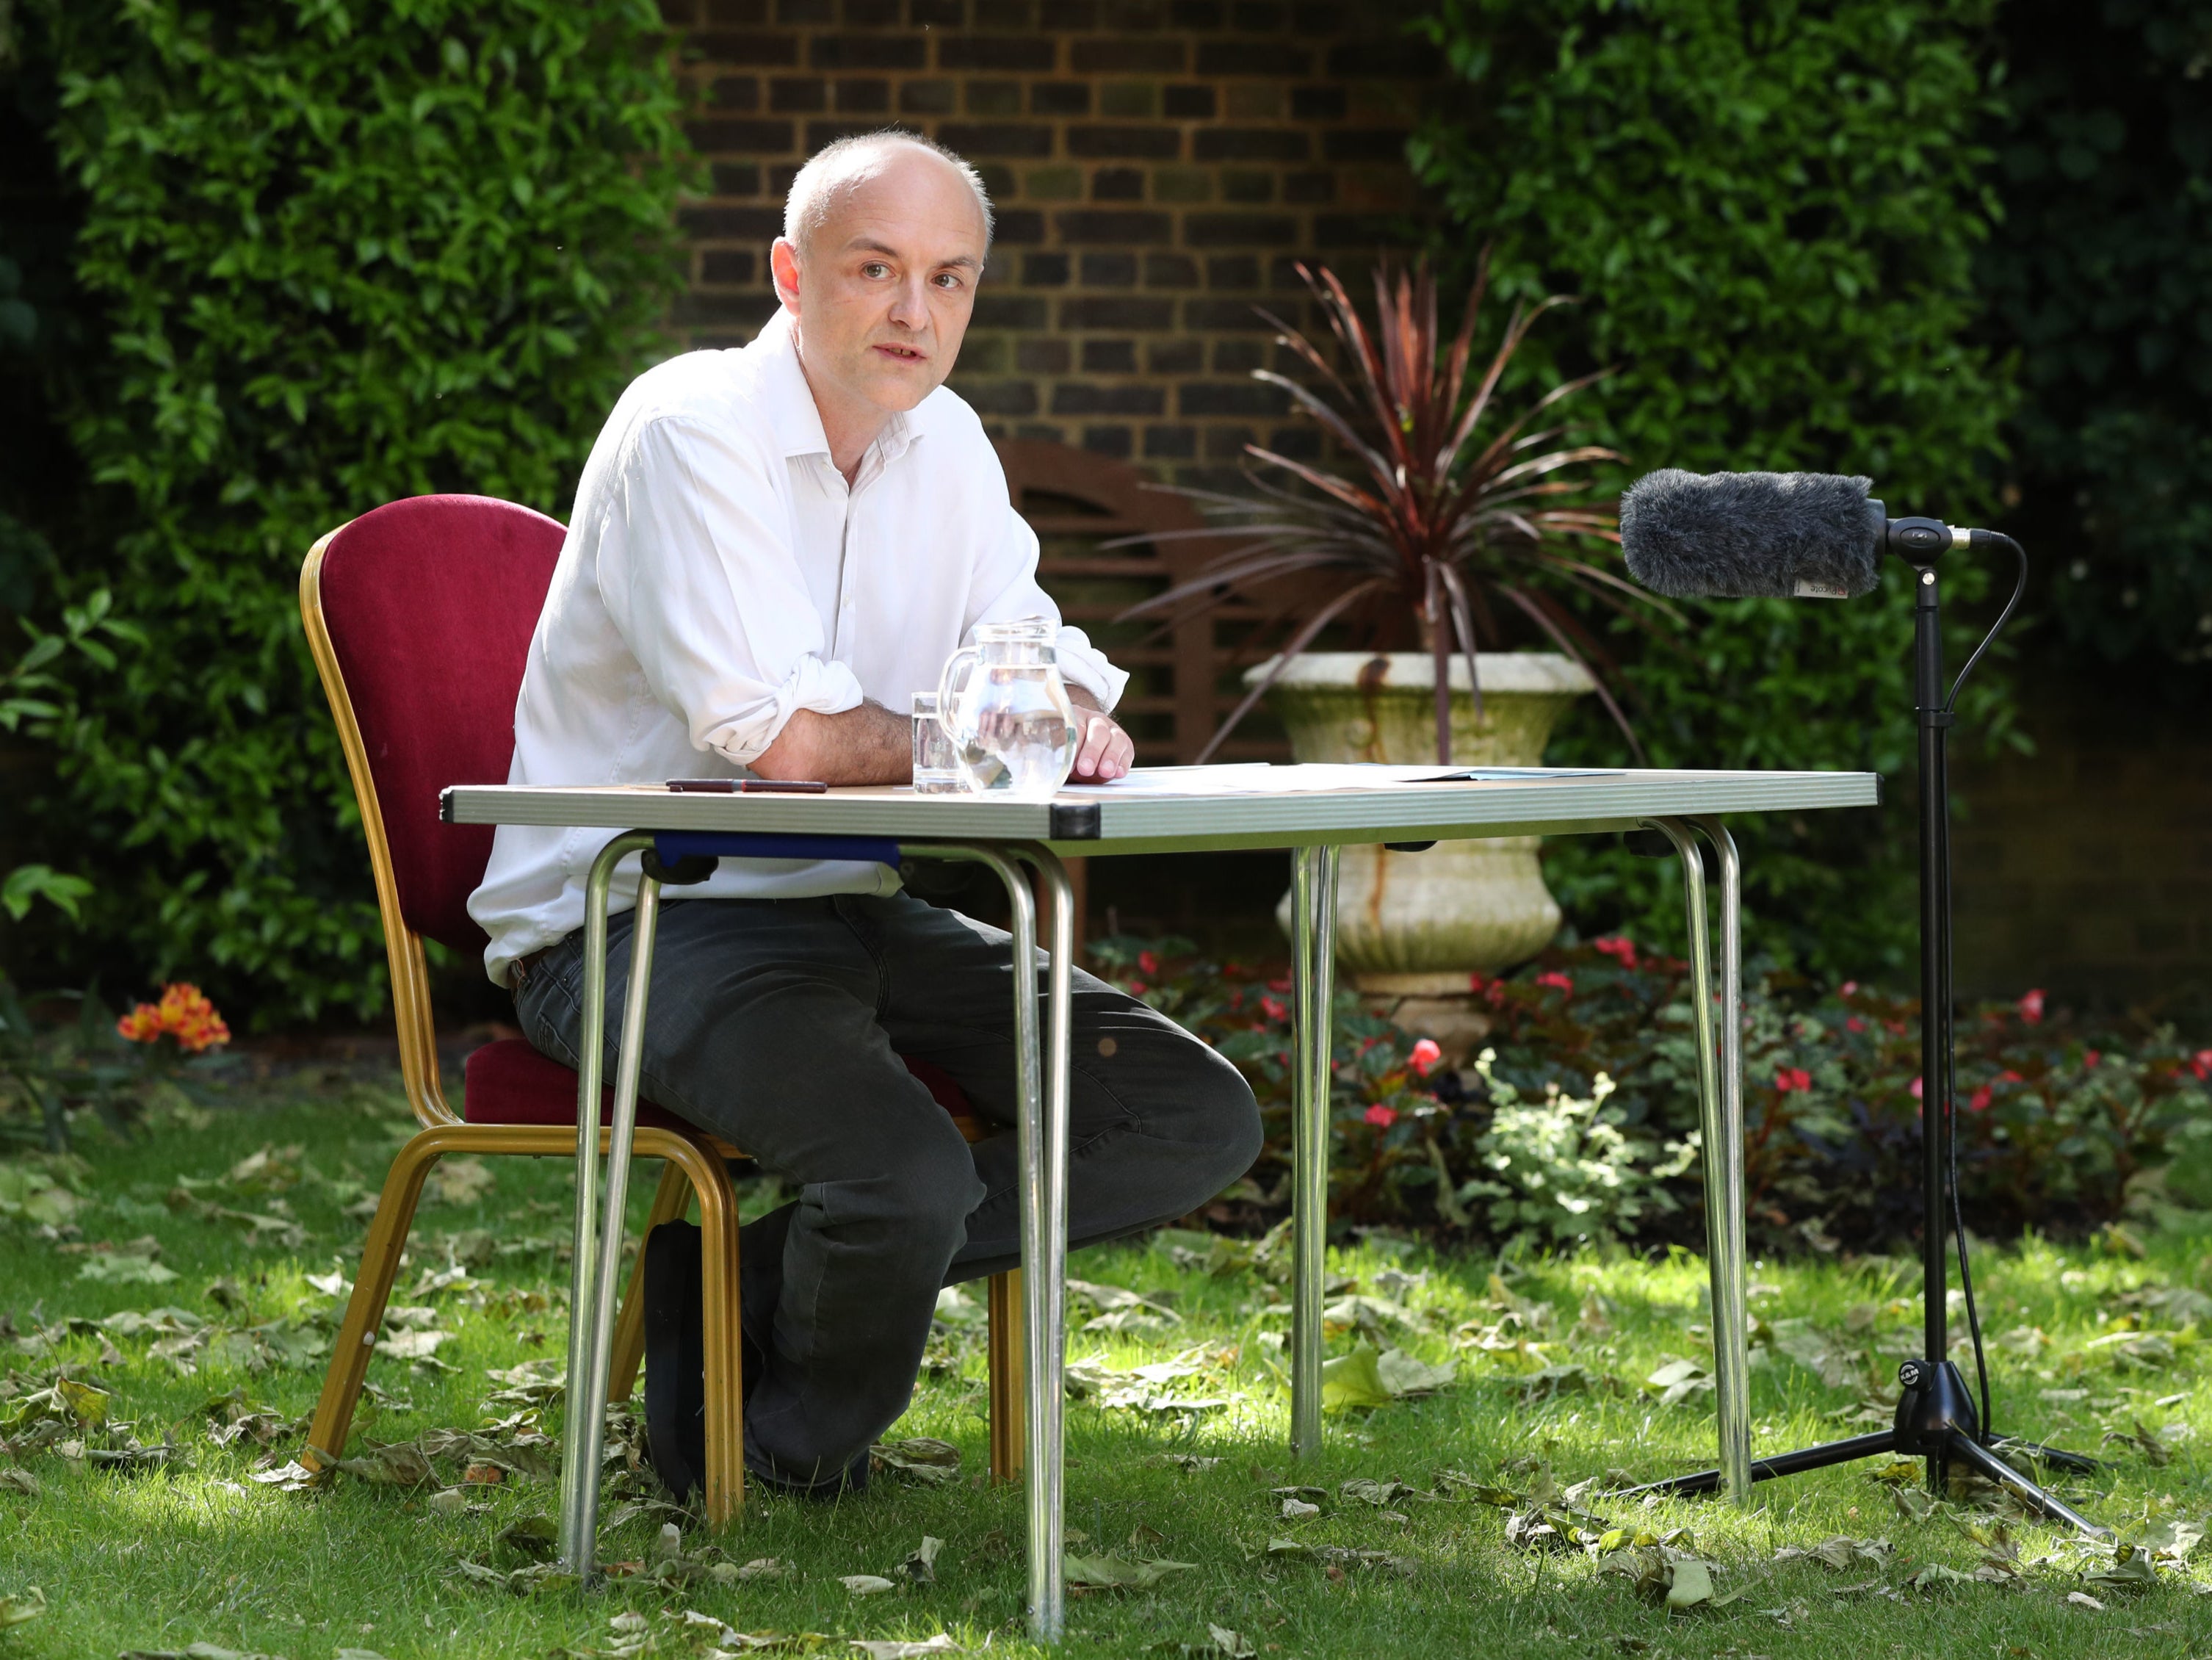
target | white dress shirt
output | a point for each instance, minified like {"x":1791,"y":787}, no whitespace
{"x":718,"y":574}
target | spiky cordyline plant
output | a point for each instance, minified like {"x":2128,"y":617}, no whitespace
{"x":1446,"y":520}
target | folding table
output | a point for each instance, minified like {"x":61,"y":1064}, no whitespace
{"x":1311,"y":812}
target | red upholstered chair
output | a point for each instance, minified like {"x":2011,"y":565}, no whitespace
{"x":420,"y":616}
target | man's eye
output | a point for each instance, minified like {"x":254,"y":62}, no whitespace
{"x":875,"y":268}
{"x":947,"y":280}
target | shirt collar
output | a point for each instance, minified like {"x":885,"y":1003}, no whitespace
{"x":790,"y":400}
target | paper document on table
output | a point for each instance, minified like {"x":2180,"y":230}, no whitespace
{"x":1259,"y":778}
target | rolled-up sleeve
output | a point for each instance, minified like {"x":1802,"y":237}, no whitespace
{"x":1006,"y":587}
{"x":698,"y":573}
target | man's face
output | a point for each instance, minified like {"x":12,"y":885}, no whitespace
{"x":883,"y":289}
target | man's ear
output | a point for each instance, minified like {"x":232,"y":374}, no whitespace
{"x":783,"y":267}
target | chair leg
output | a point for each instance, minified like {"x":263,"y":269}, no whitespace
{"x":670,"y":1200}
{"x":371,"y":1290}
{"x":1005,"y":1349}
{"x":725,"y":1355}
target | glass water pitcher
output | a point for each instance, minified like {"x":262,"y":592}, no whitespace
{"x":1006,"y":710}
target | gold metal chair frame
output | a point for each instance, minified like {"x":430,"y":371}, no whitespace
{"x":694,"y":1163}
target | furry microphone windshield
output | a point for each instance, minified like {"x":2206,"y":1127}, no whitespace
{"x":1752,"y":535}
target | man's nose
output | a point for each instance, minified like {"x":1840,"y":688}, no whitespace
{"x":910,"y":305}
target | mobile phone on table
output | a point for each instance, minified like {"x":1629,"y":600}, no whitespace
{"x":748,"y":786}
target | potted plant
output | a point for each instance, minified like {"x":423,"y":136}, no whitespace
{"x":1456,"y":526}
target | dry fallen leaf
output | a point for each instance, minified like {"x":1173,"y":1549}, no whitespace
{"x":921,"y":1565}
{"x":292,"y":1477}
{"x":894,"y":1650}
{"x":413,"y":1344}
{"x":866,"y":1584}
{"x":458,"y":1181}
{"x":919,"y":1458}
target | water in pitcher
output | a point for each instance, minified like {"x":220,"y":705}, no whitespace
{"x":1007,"y":711}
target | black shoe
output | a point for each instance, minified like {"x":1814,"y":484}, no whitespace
{"x":675,"y":1358}
{"x":676,"y":1344}
{"x":850,"y":1481}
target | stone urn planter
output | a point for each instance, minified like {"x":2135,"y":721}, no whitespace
{"x":1416,"y":925}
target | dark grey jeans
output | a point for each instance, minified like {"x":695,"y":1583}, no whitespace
{"x":778,"y":1024}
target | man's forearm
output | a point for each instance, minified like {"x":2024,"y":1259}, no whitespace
{"x":869,"y":744}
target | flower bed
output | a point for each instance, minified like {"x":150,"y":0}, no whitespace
{"x":1578,"y":1117}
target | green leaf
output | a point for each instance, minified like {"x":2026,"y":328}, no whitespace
{"x":1353,"y":1380}
{"x":1113,"y":1574}
{"x":28,"y":883}
{"x":1691,"y":1586}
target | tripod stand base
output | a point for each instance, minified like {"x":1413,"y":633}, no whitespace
{"x":1767,"y":1469}
{"x":1935,"y":1420}
{"x":2005,"y":1445}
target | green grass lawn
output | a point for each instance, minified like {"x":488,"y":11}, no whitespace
{"x":1552,"y":1361}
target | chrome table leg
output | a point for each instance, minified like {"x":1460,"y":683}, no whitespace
{"x":1041,"y":1152}
{"x":1732,"y":1397}
{"x":1721,"y":1127}
{"x":1313,"y":951}
{"x":1044,"y":1278}
{"x":598,"y":1249}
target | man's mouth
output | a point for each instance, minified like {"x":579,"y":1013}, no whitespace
{"x":900,"y":353}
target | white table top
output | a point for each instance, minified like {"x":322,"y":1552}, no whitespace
{"x":1158,"y":816}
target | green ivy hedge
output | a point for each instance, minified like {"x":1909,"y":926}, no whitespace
{"x":1769,"y":209}
{"x":2101,"y":273}
{"x":348,"y":251}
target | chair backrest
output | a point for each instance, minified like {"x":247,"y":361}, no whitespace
{"x":426,"y":608}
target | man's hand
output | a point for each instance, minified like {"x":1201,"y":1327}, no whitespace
{"x":1103,"y":751}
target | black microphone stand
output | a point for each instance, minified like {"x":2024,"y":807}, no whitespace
{"x":1936,"y":1417}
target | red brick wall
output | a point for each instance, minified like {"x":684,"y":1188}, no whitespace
{"x":1156,"y":165}
{"x":2087,"y":868}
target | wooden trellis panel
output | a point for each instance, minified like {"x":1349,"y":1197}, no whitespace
{"x":1183,"y":679}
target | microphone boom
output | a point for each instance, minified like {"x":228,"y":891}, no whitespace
{"x":1752,"y":535}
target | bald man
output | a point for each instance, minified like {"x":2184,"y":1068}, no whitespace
{"x":772,"y":549}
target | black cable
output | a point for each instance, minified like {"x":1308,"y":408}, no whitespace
{"x":1949,"y":1099}
{"x":2019,"y":588}
{"x":1958,"y":1206}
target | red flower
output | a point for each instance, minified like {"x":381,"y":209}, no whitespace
{"x":1274,"y":1009}
{"x":1980,"y":1100}
{"x":1283,"y":984}
{"x":2031,"y":1007}
{"x":182,"y":1013}
{"x":1148,"y":963}
{"x":1791,"y":1078}
{"x":2200,"y":1063}
{"x":1426,"y":1054}
{"x":1619,"y":947}
{"x":1476,"y":982}
{"x":1381,"y":1116}
{"x":1916,"y":1090}
{"x":2090,"y":1057}
{"x":1854,"y":1024}
{"x":2009,"y":1076}
{"x":1848,"y":989}
{"x":1232,"y":969}
{"x":1137,"y":989}
{"x":1554,"y":978}
{"x":1496,"y":996}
